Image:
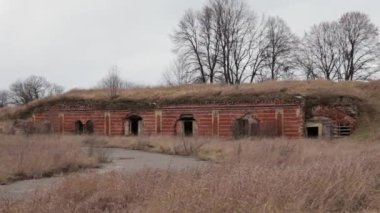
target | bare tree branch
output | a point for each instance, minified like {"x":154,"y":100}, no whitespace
{"x":113,"y":82}
{"x":178,"y":73}
{"x":281,"y":45}
{"x":359,"y":45}
{"x":320,"y":48}
{"x":4,"y":98}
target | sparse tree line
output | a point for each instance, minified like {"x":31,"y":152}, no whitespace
{"x":227,"y":42}
{"x":27,"y":90}
{"x":36,"y":87}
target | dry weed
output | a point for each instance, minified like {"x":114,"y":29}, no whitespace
{"x":260,"y":176}
{"x":41,"y":156}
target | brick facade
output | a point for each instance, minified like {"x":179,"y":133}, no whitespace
{"x":208,"y":120}
{"x":291,"y":118}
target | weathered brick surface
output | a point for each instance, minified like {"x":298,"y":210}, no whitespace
{"x":212,"y":120}
{"x":338,"y":115}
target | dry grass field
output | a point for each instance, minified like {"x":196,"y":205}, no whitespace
{"x":42,"y":156}
{"x":262,"y":175}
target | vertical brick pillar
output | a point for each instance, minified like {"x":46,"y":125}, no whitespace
{"x":215,"y":123}
{"x":158,"y":115}
{"x":107,"y":123}
{"x":280,"y":122}
{"x":61,"y":119}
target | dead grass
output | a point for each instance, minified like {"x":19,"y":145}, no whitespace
{"x":42,"y":156}
{"x":185,"y":146}
{"x":260,"y":176}
{"x":150,"y":97}
{"x":318,"y":87}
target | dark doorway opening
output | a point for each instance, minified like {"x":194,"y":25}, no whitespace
{"x":188,"y":127}
{"x":134,"y":125}
{"x":89,"y":127}
{"x":312,"y":132}
{"x":79,"y":127}
{"x":188,"y":124}
{"x":242,"y":127}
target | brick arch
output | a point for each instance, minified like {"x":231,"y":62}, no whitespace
{"x":78,"y":127}
{"x":183,"y":122}
{"x":89,"y":127}
{"x":246,"y":126}
{"x":336,"y":115}
{"x":133,"y":124}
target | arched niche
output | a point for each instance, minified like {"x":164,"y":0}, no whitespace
{"x":246,"y":126}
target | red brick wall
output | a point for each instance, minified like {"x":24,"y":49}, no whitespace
{"x":293,"y":122}
{"x":212,"y":120}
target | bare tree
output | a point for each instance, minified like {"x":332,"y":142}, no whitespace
{"x":188,"y":46}
{"x":359,"y":45}
{"x":320,"y":48}
{"x":258,"y":52}
{"x":305,"y":62}
{"x":178,"y":73}
{"x":113,"y":82}
{"x":237,"y":31}
{"x":4,"y":98}
{"x":54,"y":89}
{"x":209,"y":42}
{"x":281,"y":45}
{"x":219,"y":43}
{"x":32,"y":88}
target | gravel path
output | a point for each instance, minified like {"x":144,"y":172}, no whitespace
{"x":122,"y":160}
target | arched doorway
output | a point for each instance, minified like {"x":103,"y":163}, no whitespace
{"x":133,"y":125}
{"x":186,"y":125}
{"x":79,"y":127}
{"x":89,"y":127}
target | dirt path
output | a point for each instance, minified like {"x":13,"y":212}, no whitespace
{"x":122,"y":160}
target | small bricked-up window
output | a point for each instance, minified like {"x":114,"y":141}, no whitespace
{"x":79,"y":127}
{"x":188,"y":122}
{"x":89,"y":127}
{"x":133,"y":125}
{"x":246,"y":126}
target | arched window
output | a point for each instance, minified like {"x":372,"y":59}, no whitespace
{"x":89,"y":127}
{"x":133,"y":125}
{"x":79,"y":127}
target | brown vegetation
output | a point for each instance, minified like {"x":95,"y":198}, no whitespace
{"x":42,"y":156}
{"x":185,"y":146}
{"x":261,"y":176}
{"x":319,"y":91}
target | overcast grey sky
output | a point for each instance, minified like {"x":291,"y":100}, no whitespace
{"x":74,"y":42}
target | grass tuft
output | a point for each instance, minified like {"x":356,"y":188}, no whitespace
{"x":42,"y":156}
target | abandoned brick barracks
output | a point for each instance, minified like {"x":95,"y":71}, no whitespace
{"x":291,"y":117}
